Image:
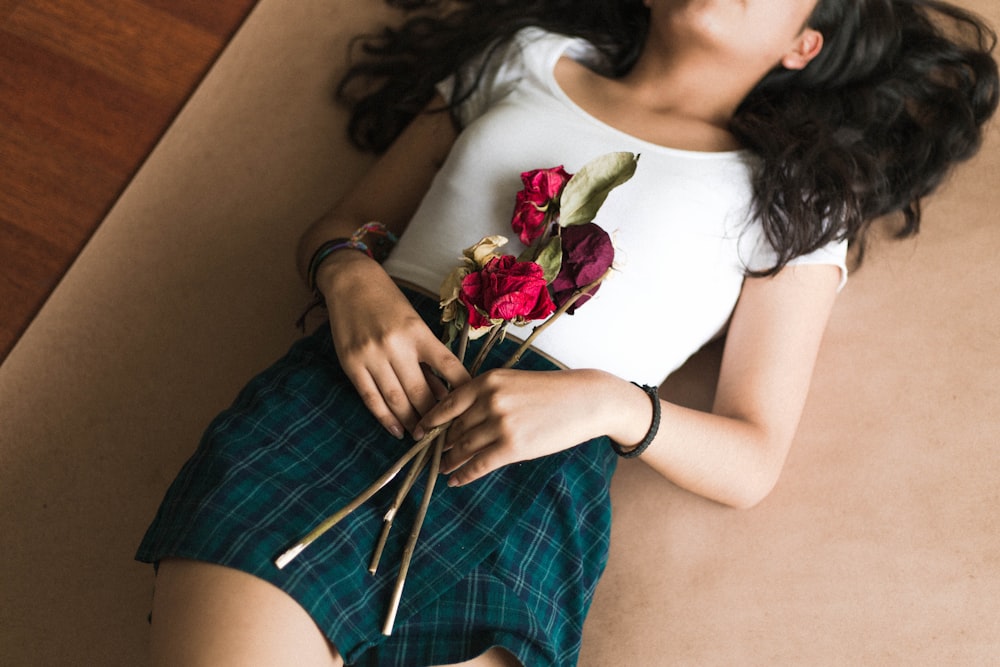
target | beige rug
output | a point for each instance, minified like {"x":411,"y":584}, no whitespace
{"x":880,"y":546}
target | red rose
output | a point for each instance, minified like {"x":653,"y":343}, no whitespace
{"x":587,"y":255}
{"x":529,"y":220}
{"x":545,"y":184}
{"x":541,"y":186}
{"x":506,"y":289}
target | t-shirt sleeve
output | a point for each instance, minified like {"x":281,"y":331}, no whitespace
{"x":491,"y":75}
{"x":762,"y":257}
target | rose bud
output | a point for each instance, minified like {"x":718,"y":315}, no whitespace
{"x":541,"y":187}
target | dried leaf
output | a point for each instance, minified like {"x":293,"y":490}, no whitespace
{"x":586,"y":192}
{"x":550,"y":258}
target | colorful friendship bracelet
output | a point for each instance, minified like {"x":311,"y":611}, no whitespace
{"x":380,"y":244}
{"x":654,"y":396}
{"x":378,"y":249}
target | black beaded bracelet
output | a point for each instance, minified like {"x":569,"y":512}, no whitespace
{"x":654,"y":396}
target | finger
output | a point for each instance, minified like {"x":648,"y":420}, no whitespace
{"x":447,"y":409}
{"x":420,"y":397}
{"x":437,"y":385}
{"x":465,"y":441}
{"x":445,"y":364}
{"x":372,"y":397}
{"x":483,"y":463}
{"x":395,"y":397}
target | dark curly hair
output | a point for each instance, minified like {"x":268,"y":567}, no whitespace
{"x":899,"y":94}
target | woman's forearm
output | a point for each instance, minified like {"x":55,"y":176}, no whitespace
{"x":330,"y":226}
{"x":726,"y":459}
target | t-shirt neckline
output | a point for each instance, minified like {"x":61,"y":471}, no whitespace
{"x":582,"y":47}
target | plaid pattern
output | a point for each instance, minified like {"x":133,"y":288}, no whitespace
{"x":510,"y":560}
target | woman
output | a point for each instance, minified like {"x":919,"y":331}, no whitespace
{"x":772,"y":133}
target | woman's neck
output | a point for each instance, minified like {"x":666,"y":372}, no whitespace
{"x":685,"y":85}
{"x":676,"y":109}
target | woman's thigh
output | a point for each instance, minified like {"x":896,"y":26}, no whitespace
{"x":213,"y":616}
{"x":495,"y":657}
{"x":209,"y":615}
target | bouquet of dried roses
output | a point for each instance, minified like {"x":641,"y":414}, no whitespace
{"x":566,"y":257}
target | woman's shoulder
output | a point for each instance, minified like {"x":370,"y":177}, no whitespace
{"x":503,"y":66}
{"x":537,"y":49}
{"x":535,"y":37}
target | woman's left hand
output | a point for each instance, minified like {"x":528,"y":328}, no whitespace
{"x":504,"y":416}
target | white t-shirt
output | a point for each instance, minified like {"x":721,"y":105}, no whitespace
{"x":681,"y":225}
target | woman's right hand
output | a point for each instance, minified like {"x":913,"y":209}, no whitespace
{"x":385,"y":348}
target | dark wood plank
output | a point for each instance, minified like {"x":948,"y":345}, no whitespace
{"x":129,"y":41}
{"x":216,"y":17}
{"x":32,"y":265}
{"x":56,"y":186}
{"x":86,"y":89}
{"x":7,"y":6}
{"x":63,"y":103}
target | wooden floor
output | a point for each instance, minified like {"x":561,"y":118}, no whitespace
{"x":87,"y":87}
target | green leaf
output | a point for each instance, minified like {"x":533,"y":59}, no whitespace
{"x":585,"y":192}
{"x":528,"y":254}
{"x":550,"y":258}
{"x":453,"y":328}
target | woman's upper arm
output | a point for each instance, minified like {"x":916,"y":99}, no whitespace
{"x":392,"y":188}
{"x":771,"y":349}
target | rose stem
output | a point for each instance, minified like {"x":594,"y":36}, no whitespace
{"x":562,"y":309}
{"x":487,"y":346}
{"x":404,"y":488}
{"x":290,"y":555}
{"x":411,"y":543}
{"x":463,"y":342}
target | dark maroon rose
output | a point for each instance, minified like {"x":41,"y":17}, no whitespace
{"x":587,"y":255}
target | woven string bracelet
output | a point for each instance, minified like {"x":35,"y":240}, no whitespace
{"x":653,"y":393}
{"x":377,"y":248}
{"x":327,"y":249}
{"x":377,"y":239}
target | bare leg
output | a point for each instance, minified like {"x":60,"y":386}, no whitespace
{"x":210,"y":616}
{"x":495,"y":657}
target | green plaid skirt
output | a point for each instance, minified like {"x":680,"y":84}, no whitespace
{"x":511,"y":560}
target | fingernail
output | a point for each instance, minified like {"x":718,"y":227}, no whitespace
{"x":396,"y":431}
{"x":452,"y":481}
{"x":418,"y":433}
